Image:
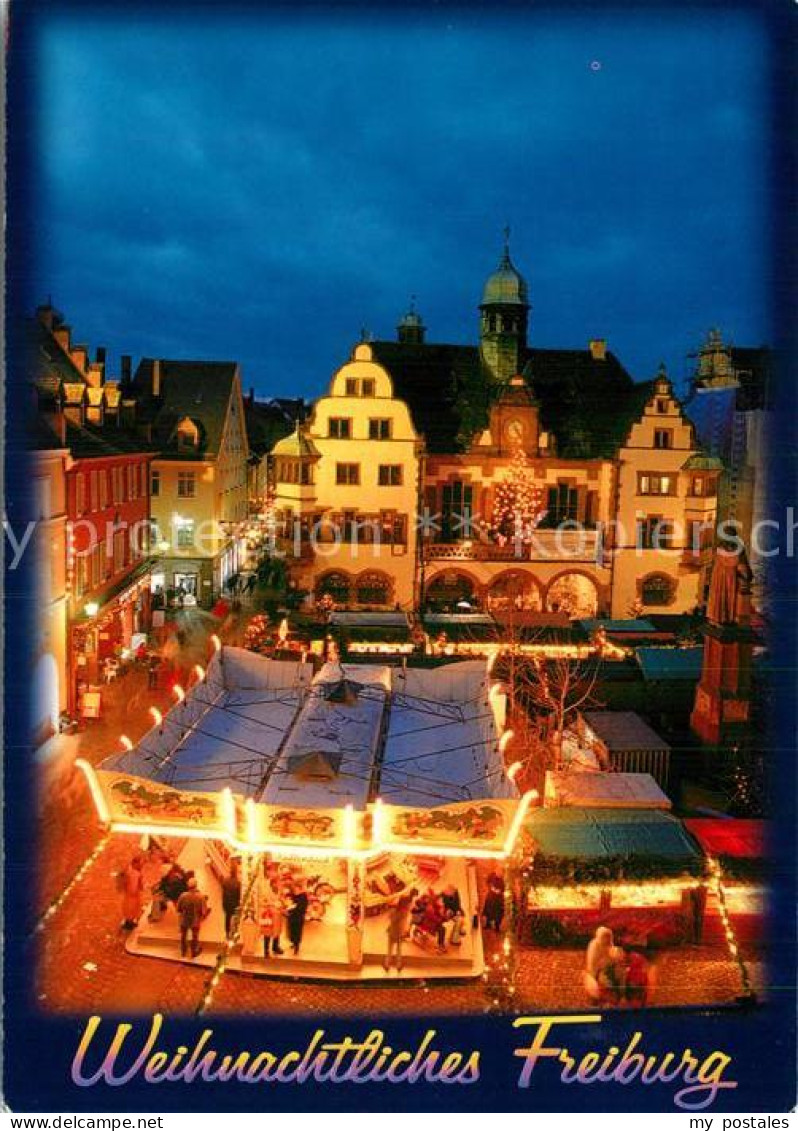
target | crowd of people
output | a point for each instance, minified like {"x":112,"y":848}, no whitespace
{"x":280,"y":906}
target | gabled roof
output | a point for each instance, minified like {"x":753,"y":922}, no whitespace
{"x":267,"y":423}
{"x":589,"y":404}
{"x":88,"y":441}
{"x":200,"y":390}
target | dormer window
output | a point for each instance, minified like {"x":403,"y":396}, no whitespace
{"x":187,"y":434}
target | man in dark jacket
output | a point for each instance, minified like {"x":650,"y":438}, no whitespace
{"x":231,"y":897}
{"x":191,"y":910}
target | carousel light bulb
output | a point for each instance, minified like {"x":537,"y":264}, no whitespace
{"x":178,"y":692}
{"x":200,"y":671}
{"x":217,"y":644}
{"x":505,"y":740}
{"x":157,"y":717}
{"x":128,"y":745}
{"x":514,"y":770}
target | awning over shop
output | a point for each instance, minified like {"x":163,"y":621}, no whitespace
{"x":730,"y":837}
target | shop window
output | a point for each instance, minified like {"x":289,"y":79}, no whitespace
{"x":658,"y":589}
{"x":186,"y":484}
{"x":347,"y":474}
{"x":390,"y":475}
{"x":380,"y":429}
{"x":340,"y":428}
{"x":663,"y":438}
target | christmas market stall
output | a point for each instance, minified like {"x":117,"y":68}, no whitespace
{"x":364,"y":787}
{"x":382,"y":633}
{"x":635,"y":870}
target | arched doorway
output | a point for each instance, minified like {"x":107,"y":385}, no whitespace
{"x":449,"y":589}
{"x":514,"y":591}
{"x":574,"y":594}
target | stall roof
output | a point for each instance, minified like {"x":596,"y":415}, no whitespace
{"x":603,"y":833}
{"x":603,"y":790}
{"x":635,"y":627}
{"x":730,"y":836}
{"x":670,"y":663}
{"x":370,"y":620}
{"x":476,"y":627}
{"x":623,"y":730}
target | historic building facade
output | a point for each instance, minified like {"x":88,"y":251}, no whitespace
{"x":346,"y":488}
{"x":537,"y":480}
{"x":194,"y":414}
{"x":92,"y":472}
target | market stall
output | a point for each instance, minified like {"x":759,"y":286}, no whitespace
{"x":637,"y":871}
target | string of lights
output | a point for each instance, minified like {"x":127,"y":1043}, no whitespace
{"x":59,"y":900}
{"x":716,"y":882}
{"x":223,"y":956}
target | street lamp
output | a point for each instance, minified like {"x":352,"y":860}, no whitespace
{"x":91,"y":608}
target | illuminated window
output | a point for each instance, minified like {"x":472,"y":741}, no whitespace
{"x":648,"y":484}
{"x":185,"y":532}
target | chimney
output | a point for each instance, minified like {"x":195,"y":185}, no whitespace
{"x":100,"y":355}
{"x":80,"y":357}
{"x":126,"y":363}
{"x":598,"y":349}
{"x":156,"y":378}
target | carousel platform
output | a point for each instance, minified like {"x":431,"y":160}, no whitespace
{"x":323,"y":954}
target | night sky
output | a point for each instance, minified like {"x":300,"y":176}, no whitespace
{"x":261,"y":187}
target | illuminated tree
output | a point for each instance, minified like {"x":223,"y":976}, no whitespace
{"x":518,"y":504}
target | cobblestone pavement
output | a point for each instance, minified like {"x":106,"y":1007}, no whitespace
{"x":83,"y":964}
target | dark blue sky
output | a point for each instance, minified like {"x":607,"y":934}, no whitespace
{"x":260,"y":187}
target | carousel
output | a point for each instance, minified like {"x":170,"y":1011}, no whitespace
{"x":359,"y":785}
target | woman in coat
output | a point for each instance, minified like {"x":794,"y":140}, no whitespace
{"x":271,"y":921}
{"x":295,"y":914}
{"x":132,"y":893}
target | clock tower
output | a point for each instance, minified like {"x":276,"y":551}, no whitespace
{"x":514,"y":420}
{"x":504,"y":313}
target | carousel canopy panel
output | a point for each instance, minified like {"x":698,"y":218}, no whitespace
{"x":228,"y":729}
{"x":443,"y":740}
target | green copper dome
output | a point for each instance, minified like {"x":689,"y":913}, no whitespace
{"x":506,"y":286}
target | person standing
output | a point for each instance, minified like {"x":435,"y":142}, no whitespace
{"x":398,"y":921}
{"x":132,"y":886}
{"x":231,"y":897}
{"x":191,"y":909}
{"x":493,"y":907}
{"x":271,"y":921}
{"x":295,"y":914}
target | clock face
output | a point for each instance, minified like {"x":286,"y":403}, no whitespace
{"x":515,"y":431}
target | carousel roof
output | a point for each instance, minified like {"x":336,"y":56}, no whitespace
{"x":272,"y":731}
